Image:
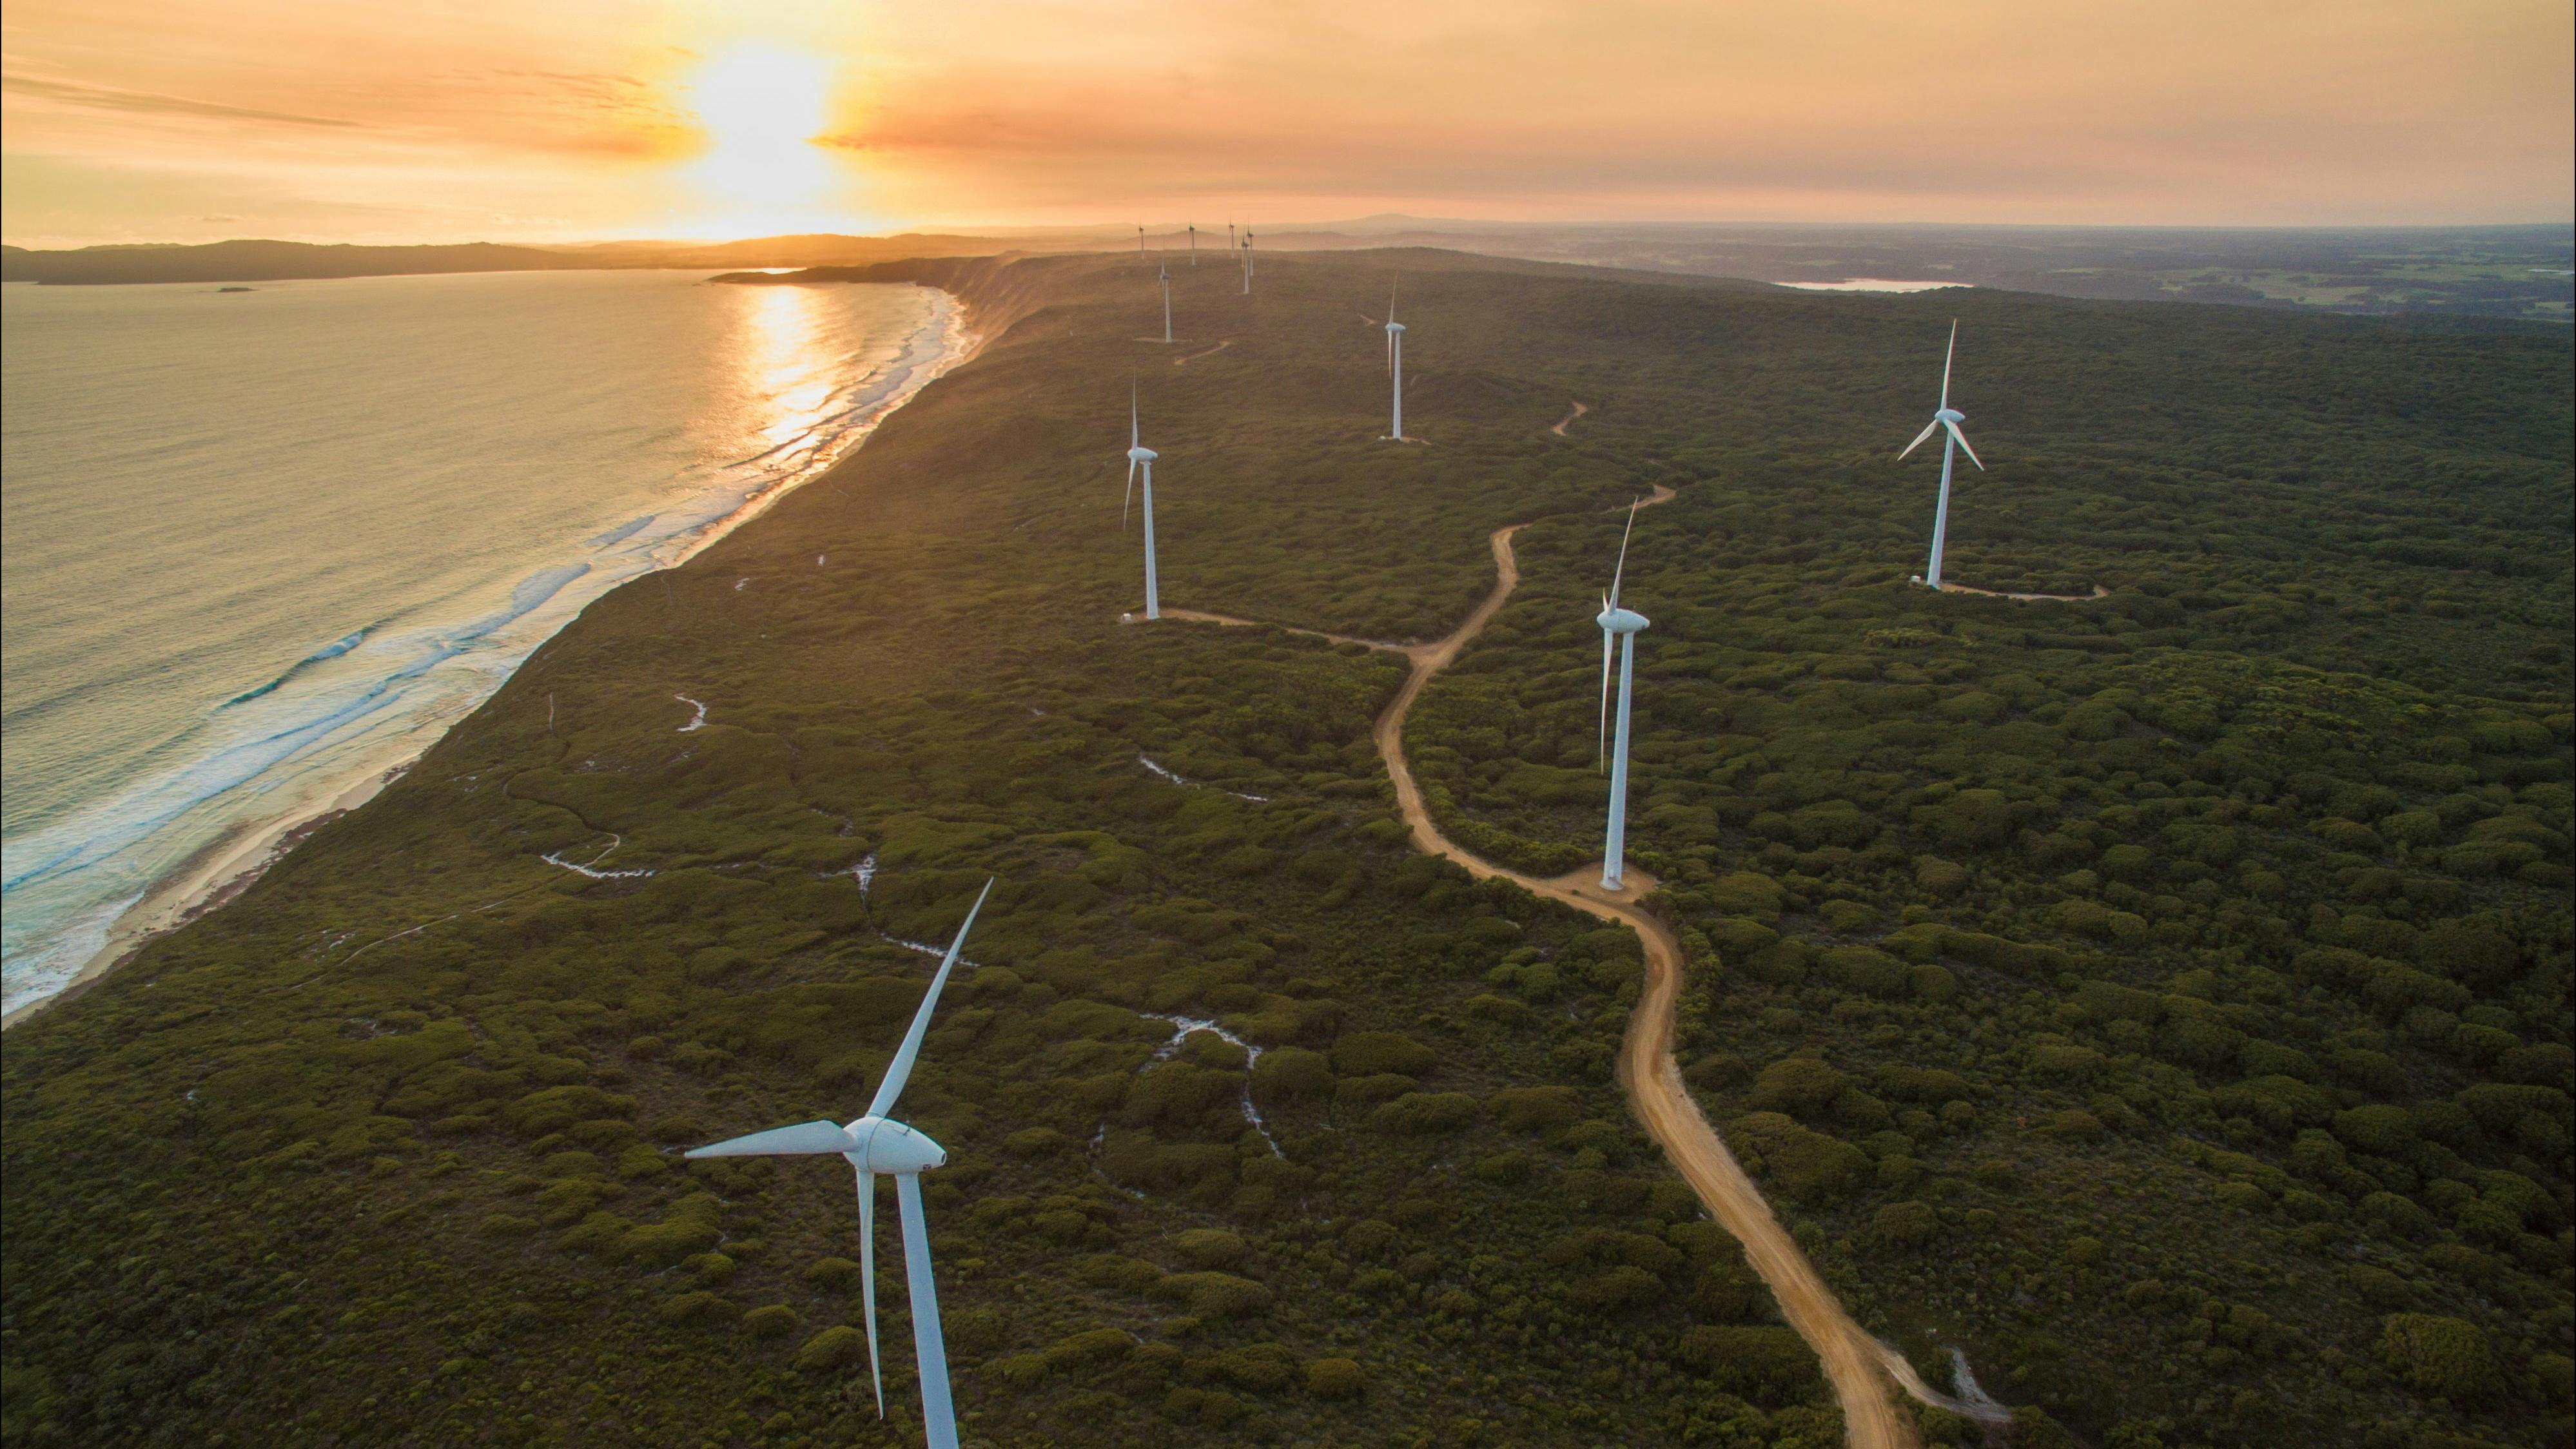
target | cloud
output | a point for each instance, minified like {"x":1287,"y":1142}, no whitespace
{"x":104,"y":98}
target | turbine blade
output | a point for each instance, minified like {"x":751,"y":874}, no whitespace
{"x":900,"y":1069}
{"x":929,"y":1345}
{"x":805,"y":1139}
{"x":868,"y":1277}
{"x":1952,"y":352}
{"x":1133,"y":435}
{"x":1130,"y":498}
{"x":1963,"y":446}
{"x":1928,"y":429}
{"x":1622,"y":571}
{"x":1601,"y":745}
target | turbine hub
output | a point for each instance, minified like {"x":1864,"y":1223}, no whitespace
{"x":1395,"y":327}
{"x":891,"y":1147}
{"x":1621,"y":621}
{"x":1142,"y":455}
{"x":1950,"y":415}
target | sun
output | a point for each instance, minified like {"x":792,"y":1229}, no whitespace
{"x":763,"y":108}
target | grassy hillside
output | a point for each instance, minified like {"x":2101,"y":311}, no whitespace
{"x":385,"y":1151}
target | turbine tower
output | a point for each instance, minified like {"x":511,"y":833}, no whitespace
{"x":1247,"y":259}
{"x":1140,"y":456}
{"x":1194,"y":244}
{"x":1395,"y":361}
{"x":1167,"y":302}
{"x":876,"y":1145}
{"x":1140,"y":241}
{"x":1950,"y":418}
{"x":1619,"y":626}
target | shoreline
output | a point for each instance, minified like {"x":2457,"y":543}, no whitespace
{"x":230,"y":864}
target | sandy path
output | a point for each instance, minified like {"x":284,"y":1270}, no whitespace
{"x":1858,"y":1366}
{"x":1568,"y":421}
{"x":1209,"y":352}
{"x":2099,"y":592}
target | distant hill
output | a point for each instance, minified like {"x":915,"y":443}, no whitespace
{"x":268,"y":261}
{"x":265,"y":261}
{"x":2525,"y":273}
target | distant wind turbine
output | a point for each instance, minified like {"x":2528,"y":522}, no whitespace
{"x":877,"y":1146}
{"x":1619,"y":626}
{"x":1247,"y":259}
{"x":1949,"y":418}
{"x":1395,"y":361}
{"x":1194,"y":244}
{"x":1167,"y":302}
{"x":1140,"y":456}
{"x":1140,"y":241}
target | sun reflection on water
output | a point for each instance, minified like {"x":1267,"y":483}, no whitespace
{"x":789,"y":369}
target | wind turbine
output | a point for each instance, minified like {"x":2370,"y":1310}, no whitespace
{"x":1140,"y":241}
{"x":877,"y":1145}
{"x":1167,"y":302}
{"x":1247,"y":259}
{"x":1194,"y":244}
{"x":1140,"y":456}
{"x":1949,"y":418}
{"x":1622,"y":627}
{"x":1395,"y":360}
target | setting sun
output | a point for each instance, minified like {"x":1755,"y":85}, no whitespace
{"x":763,"y":108}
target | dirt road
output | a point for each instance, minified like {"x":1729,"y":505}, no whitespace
{"x":1861,"y":1369}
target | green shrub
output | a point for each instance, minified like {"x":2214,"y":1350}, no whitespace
{"x":1367,"y":1053}
{"x":1334,"y":1378}
{"x":834,"y":1347}
{"x":699,"y":1308}
{"x":1216,"y":1295}
{"x":1535,"y":1109}
{"x":1811,"y":1166}
{"x":1419,"y":1113}
{"x":1209,"y":1248}
{"x":836,"y":1274}
{"x":1906,"y":1224}
{"x":2444,"y":1358}
{"x":1291,"y":1074}
{"x":1770,"y":1366}
{"x":773,"y":1320}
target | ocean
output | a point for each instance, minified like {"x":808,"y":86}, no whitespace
{"x":258,"y":548}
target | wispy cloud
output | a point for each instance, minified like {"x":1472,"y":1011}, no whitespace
{"x":105,"y":98}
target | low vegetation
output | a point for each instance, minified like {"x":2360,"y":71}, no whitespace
{"x":2051,"y":987}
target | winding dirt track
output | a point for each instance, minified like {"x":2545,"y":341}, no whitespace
{"x":2099,"y":592}
{"x":1858,"y":1365}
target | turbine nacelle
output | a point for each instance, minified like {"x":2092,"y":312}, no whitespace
{"x":1615,"y":620}
{"x":1141,"y":454}
{"x":886,"y":1146}
{"x":1949,"y":415}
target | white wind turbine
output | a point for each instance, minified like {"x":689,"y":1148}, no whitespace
{"x":1950,"y":418}
{"x":1618,"y":626}
{"x":1395,"y":361}
{"x":1167,"y":302}
{"x":1140,"y":456}
{"x":1247,"y":259}
{"x":877,"y":1146}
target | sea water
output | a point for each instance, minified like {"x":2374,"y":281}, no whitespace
{"x":257,"y":547}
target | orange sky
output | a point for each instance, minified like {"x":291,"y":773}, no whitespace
{"x":450,"y":120}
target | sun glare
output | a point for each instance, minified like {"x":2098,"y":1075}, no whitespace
{"x":763,"y":109}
